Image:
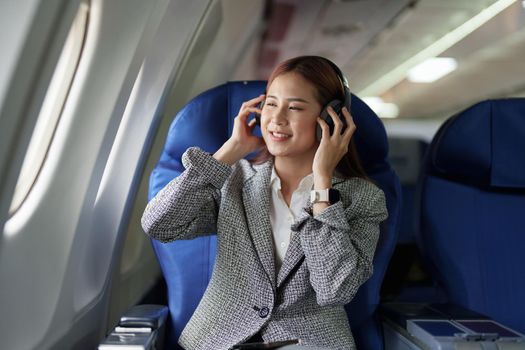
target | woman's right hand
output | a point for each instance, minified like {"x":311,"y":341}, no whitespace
{"x":242,"y":141}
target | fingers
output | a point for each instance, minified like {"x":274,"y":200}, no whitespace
{"x":350,"y":125}
{"x":241,"y":119}
{"x":250,"y":106}
{"x":248,"y":110}
{"x":251,"y":124}
{"x":326,"y":129}
{"x":254,"y":102}
{"x":339,"y":125}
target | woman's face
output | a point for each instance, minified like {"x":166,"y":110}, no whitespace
{"x":289,"y":117}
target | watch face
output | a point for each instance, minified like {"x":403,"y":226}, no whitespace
{"x":334,"y":196}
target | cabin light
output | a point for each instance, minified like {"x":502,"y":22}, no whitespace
{"x":396,"y":75}
{"x":432,"y":69}
{"x":385,"y":110}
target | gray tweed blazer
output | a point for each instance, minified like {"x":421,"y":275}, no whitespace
{"x":328,"y":258}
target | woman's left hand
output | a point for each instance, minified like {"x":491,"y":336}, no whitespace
{"x":332,"y":148}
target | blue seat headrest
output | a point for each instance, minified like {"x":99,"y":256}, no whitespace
{"x":483,"y":145}
{"x":194,"y":125}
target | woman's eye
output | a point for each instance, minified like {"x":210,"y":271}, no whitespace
{"x":272,"y":104}
{"x":295,"y":108}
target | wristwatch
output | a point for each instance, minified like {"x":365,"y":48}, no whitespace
{"x":329,"y":195}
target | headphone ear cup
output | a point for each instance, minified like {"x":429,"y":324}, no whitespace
{"x":257,"y":116}
{"x":319,"y":133}
{"x":337,"y":106}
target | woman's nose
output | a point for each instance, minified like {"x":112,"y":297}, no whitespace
{"x":278,"y":117}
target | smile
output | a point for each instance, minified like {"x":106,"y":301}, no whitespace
{"x":277,"y":136}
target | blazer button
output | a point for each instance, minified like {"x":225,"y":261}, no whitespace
{"x":264,"y":312}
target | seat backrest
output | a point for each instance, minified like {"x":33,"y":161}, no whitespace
{"x":406,"y":157}
{"x":207,"y":121}
{"x":472,"y":202}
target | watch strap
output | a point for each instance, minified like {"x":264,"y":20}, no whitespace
{"x":329,"y":195}
{"x":319,"y":196}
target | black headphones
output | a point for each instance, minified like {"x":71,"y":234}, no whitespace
{"x":337,"y":105}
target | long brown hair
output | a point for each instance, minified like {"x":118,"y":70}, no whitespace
{"x":328,"y":87}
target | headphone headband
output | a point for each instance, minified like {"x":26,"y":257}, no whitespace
{"x":342,"y":78}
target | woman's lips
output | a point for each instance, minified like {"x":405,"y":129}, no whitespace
{"x":278,"y":136}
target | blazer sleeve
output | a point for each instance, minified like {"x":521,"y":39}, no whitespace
{"x":187,"y":207}
{"x":339,"y":244}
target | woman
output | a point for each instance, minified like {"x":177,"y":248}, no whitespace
{"x":296,"y":228}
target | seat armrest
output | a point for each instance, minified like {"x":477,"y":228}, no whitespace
{"x":147,"y":315}
{"x":142,"y":327}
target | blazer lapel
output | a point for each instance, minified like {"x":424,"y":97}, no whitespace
{"x":295,"y":254}
{"x":256,"y":200}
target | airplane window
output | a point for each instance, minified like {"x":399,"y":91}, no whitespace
{"x":51,"y":107}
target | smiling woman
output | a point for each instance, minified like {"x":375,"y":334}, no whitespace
{"x":294,"y":204}
{"x":289,"y":120}
{"x":322,"y":84}
{"x":106,"y":105}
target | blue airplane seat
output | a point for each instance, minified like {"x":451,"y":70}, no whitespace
{"x":471,"y":196}
{"x":207,"y":121}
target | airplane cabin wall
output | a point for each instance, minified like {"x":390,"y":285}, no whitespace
{"x":60,"y":252}
{"x":226,"y":39}
{"x":31,"y":40}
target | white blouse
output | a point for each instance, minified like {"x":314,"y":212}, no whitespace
{"x":282,"y":216}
